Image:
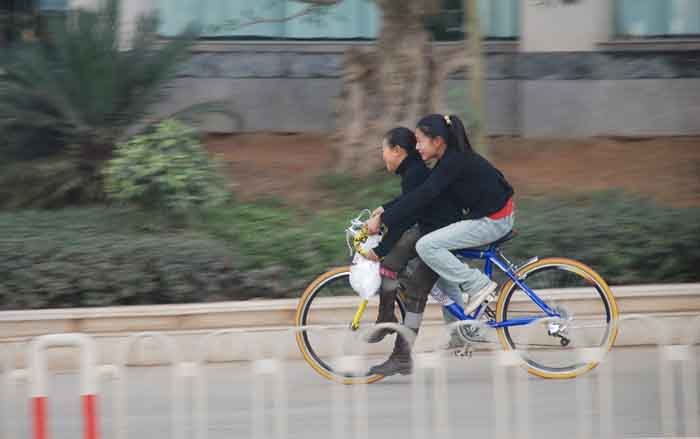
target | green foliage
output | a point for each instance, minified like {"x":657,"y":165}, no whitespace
{"x":269,"y":236}
{"x":46,"y":183}
{"x":88,"y":257}
{"x":85,"y":85}
{"x":101,"y":257}
{"x":79,"y":93}
{"x":167,"y":168}
{"x":626,"y":239}
{"x":359,"y":193}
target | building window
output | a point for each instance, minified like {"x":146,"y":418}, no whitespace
{"x":499,"y":19}
{"x":348,"y":20}
{"x":657,"y":18}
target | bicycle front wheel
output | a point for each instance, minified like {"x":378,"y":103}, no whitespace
{"x":589,"y":316}
{"x":326,"y":310}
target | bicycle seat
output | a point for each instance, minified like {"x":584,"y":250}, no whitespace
{"x":507,"y":237}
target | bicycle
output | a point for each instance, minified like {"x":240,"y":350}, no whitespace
{"x":526,"y":298}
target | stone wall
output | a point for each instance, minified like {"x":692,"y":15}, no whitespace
{"x":630,"y":93}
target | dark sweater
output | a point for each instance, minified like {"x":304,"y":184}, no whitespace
{"x":468,"y":179}
{"x":439,"y":213}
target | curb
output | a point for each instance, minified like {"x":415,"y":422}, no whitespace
{"x":265,"y":321}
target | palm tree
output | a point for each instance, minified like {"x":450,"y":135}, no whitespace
{"x":76,"y":95}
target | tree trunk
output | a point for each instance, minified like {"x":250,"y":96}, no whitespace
{"x":393,"y":84}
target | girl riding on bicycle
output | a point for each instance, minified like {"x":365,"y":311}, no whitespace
{"x":398,"y":246}
{"x":485,"y":199}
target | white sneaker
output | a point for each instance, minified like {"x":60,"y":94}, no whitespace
{"x":476,"y":299}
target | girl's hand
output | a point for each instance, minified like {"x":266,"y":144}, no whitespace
{"x":378,"y":211}
{"x":372,"y":256}
{"x":373,"y":225}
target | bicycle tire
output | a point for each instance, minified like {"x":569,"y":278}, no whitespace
{"x":588,"y":277}
{"x":309,"y":353}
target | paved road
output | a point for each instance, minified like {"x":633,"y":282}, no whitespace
{"x":313,"y":406}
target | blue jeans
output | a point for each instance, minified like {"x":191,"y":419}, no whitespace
{"x":435,"y":250}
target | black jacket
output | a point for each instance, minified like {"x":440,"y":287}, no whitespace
{"x":439,"y":213}
{"x":469,"y":180}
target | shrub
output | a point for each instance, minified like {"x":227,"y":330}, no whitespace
{"x":626,"y":239}
{"x":167,"y":168}
{"x":80,"y":93}
{"x":46,"y":183}
{"x":101,"y":257}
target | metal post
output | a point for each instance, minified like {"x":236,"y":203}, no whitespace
{"x":88,"y":382}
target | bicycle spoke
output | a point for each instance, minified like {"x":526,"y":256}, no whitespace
{"x":550,"y":346}
{"x":327,"y":313}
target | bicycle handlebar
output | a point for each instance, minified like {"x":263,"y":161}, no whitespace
{"x":358,"y":233}
{"x":359,"y":239}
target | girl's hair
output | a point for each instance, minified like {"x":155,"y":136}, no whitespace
{"x":402,"y":137}
{"x":450,"y":128}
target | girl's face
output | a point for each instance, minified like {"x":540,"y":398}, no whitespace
{"x":427,"y":147}
{"x":392,"y":155}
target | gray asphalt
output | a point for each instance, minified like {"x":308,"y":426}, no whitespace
{"x":394,"y":410}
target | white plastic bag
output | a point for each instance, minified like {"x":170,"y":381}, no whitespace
{"x":364,"y":273}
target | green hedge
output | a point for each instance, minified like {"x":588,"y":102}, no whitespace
{"x":105,"y":256}
{"x":100,"y":257}
{"x":166,"y":168}
{"x":626,"y":239}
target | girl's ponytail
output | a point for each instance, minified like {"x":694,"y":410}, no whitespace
{"x":458,"y":134}
{"x":450,"y":128}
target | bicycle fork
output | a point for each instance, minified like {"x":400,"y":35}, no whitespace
{"x":355,"y":325}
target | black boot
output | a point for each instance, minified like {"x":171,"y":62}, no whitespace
{"x":385,"y":315}
{"x":399,"y":361}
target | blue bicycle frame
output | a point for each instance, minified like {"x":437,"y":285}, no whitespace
{"x":491,"y":258}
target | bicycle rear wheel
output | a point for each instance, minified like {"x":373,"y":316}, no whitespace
{"x":327,"y":308}
{"x":586,"y":304}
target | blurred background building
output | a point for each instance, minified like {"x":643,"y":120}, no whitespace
{"x":564,"y":68}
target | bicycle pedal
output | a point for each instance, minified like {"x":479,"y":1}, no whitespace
{"x":466,"y":351}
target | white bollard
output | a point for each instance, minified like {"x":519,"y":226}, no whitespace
{"x":177,"y":421}
{"x":114,"y":374}
{"x":88,"y":381}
